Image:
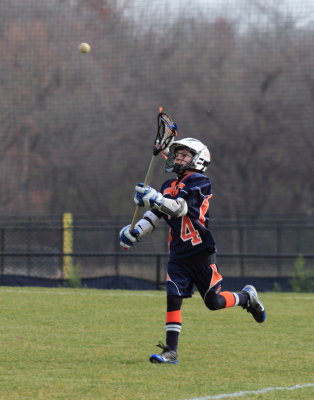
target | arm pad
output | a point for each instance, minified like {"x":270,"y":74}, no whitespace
{"x":147,"y":224}
{"x":174,"y":208}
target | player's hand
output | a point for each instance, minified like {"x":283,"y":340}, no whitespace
{"x":147,"y":196}
{"x":128,"y":237}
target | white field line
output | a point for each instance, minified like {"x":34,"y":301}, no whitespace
{"x":101,"y":292}
{"x":260,"y":391}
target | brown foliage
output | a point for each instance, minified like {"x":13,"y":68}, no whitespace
{"x":77,"y":130}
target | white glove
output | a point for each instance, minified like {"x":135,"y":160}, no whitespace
{"x":128,"y":237}
{"x":147,"y":196}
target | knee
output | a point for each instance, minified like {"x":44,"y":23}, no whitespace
{"x":212,"y":306}
{"x":213,"y":301}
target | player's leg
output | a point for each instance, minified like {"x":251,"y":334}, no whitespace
{"x":173,"y":329}
{"x":208,"y":281}
{"x":179,"y":285}
{"x":215,"y":299}
{"x":173,"y":321}
{"x":248,"y":299}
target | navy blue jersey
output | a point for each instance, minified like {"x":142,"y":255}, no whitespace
{"x":189,"y":234}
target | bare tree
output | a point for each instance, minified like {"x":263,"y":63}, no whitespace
{"x":77,"y":130}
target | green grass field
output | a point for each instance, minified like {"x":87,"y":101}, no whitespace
{"x":94,"y":344}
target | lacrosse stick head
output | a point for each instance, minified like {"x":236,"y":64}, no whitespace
{"x":166,"y":132}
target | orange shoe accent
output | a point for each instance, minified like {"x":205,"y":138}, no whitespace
{"x":229,"y":297}
{"x":174,"y":316}
{"x":216,"y":277}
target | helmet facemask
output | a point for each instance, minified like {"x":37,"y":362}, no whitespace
{"x":172,"y":166}
{"x":200,"y":156}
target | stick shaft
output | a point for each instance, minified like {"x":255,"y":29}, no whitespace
{"x":147,"y":180}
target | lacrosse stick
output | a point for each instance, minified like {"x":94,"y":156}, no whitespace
{"x":166,"y":132}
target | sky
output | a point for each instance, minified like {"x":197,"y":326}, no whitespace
{"x":240,"y":10}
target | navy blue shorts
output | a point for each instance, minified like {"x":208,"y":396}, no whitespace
{"x":200,"y":271}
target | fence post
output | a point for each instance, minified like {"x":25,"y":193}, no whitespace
{"x":29,"y":246}
{"x":67,"y":244}
{"x":278,"y":249}
{"x":2,"y":251}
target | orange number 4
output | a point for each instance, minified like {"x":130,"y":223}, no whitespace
{"x":188,"y":232}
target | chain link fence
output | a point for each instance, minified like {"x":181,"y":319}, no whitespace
{"x":56,"y":249}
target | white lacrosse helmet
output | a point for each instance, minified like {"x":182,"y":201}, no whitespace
{"x":199,"y":162}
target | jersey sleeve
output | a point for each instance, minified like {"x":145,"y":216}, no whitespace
{"x":196,"y":193}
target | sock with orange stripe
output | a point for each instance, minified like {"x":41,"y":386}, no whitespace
{"x":173,"y":328}
{"x":235,"y":299}
{"x":217,"y":301}
{"x":173,"y":321}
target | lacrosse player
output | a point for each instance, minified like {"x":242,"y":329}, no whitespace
{"x":183,"y":203}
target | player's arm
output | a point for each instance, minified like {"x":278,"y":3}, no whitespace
{"x":128,"y":237}
{"x":149,"y":197}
